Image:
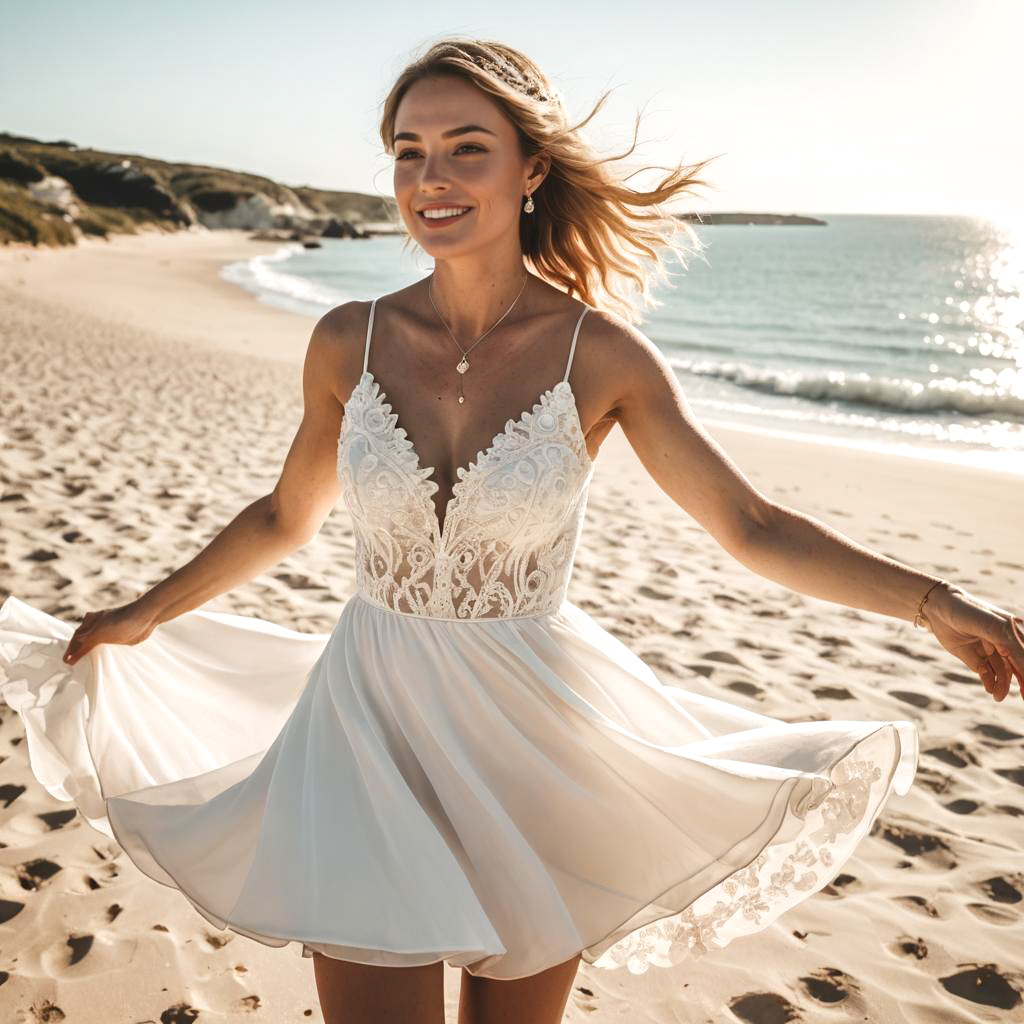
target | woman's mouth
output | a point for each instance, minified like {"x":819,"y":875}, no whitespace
{"x":441,"y":216}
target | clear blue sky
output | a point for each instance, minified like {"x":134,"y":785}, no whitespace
{"x":910,"y":106}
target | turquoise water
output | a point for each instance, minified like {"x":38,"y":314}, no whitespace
{"x":897,"y":332}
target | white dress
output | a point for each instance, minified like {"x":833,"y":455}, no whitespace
{"x":468,"y":767}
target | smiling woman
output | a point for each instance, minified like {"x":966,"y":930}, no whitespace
{"x":469,"y":770}
{"x":593,"y":235}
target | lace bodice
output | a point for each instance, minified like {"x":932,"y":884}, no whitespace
{"x":510,"y":531}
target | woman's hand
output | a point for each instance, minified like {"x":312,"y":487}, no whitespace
{"x":127,"y":624}
{"x":987,"y":639}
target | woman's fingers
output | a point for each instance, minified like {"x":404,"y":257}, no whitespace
{"x":76,"y":648}
{"x":984,"y":660}
{"x":1002,"y":671}
{"x":1015,"y":649}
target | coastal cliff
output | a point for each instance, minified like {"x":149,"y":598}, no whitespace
{"x":53,"y":193}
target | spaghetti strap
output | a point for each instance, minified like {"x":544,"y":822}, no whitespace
{"x":572,"y":348}
{"x":369,"y":331}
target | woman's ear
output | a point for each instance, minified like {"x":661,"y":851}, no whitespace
{"x":539,"y":167}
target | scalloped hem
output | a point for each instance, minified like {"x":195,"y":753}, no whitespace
{"x":774,"y":874}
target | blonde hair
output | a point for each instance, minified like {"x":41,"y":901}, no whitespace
{"x":591,"y":234}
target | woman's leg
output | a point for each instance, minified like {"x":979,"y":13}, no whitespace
{"x":537,"y":999}
{"x":353,"y":993}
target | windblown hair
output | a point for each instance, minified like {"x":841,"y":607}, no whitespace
{"x":591,"y":234}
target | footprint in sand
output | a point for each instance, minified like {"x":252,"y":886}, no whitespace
{"x":764,"y":1008}
{"x":956,"y":755}
{"x":724,"y":656}
{"x":585,"y":999}
{"x":829,"y":985}
{"x":961,"y":677}
{"x":57,"y":819}
{"x":906,"y":946}
{"x":997,"y":732}
{"x":919,"y":700}
{"x":702,"y":670}
{"x":832,"y":693}
{"x":747,"y":689}
{"x":928,"y":847}
{"x":34,"y":874}
{"x":962,"y":806}
{"x":180,"y":1013}
{"x":907,"y":653}
{"x":841,"y":885}
{"x":9,"y":909}
{"x":938,"y":782}
{"x":1013,"y":774}
{"x":983,"y":985}
{"x":918,"y":903}
{"x":10,"y":792}
{"x":1000,"y":916}
{"x":1003,"y":890}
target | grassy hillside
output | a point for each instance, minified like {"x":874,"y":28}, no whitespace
{"x":53,"y":193}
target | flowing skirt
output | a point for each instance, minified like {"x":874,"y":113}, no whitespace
{"x":501,"y":794}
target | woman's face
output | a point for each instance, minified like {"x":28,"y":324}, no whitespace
{"x":439,"y":163}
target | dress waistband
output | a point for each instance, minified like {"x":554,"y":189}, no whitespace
{"x":449,"y":618}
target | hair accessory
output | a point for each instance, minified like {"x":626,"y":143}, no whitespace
{"x":513,"y":76}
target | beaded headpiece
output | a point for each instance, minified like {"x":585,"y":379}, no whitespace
{"x":513,"y":76}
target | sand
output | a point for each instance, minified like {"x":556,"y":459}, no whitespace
{"x":144,"y":402}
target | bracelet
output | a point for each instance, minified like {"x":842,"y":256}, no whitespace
{"x":920,"y":609}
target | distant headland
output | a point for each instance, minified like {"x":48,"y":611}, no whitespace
{"x":750,"y":218}
{"x":54,"y":193}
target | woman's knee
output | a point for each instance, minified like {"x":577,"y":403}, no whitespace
{"x":539,"y":998}
{"x":352,"y":993}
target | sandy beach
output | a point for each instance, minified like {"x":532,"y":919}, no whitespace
{"x":145,"y":402}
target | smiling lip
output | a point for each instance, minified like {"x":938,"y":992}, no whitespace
{"x":440,"y":222}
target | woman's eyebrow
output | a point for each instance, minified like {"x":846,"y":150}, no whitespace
{"x":466,"y":128}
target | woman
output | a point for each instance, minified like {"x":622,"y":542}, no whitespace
{"x":468,"y":769}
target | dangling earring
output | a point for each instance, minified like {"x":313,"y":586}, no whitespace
{"x":529,"y":207}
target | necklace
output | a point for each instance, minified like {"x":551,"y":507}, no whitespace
{"x":463,"y":364}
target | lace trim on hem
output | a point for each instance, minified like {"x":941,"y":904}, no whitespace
{"x":780,"y":876}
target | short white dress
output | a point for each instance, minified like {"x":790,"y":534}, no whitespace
{"x":468,"y":767}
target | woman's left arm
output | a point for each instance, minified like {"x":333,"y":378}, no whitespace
{"x":781,"y":543}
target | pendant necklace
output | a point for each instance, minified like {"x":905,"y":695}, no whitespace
{"x":463,"y":364}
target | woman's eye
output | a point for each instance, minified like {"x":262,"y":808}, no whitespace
{"x":465,"y":145}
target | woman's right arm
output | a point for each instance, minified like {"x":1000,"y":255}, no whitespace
{"x":273,"y":526}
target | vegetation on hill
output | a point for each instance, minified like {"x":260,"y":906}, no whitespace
{"x":53,"y":193}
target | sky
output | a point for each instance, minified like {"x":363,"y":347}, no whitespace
{"x":909,"y":106}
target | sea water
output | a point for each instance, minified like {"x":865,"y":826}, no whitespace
{"x":904,"y":333}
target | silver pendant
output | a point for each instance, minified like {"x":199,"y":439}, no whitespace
{"x":463,"y":365}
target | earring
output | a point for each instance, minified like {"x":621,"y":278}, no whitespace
{"x":529,"y":207}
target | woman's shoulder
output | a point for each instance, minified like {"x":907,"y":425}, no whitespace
{"x":336,"y":346}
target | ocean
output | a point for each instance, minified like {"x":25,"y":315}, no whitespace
{"x":900,"y":333}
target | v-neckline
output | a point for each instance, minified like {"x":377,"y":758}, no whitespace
{"x":462,"y":473}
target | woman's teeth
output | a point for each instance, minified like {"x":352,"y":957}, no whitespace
{"x":447,"y":213}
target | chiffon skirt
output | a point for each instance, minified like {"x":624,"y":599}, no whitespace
{"x":500,"y":794}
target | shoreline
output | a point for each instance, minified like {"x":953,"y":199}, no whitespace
{"x":898,"y":445}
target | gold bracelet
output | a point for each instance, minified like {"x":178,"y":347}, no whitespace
{"x":920,"y":609}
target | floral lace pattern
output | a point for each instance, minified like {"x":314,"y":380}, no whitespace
{"x":510,"y":531}
{"x":781,"y":876}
